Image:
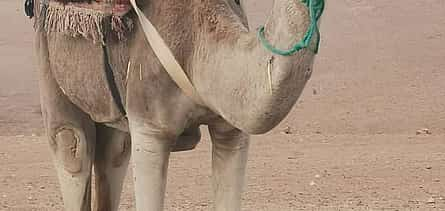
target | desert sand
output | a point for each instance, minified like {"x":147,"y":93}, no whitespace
{"x":367,"y":134}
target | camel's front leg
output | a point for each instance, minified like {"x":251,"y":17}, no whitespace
{"x":150,"y":154}
{"x":72,"y":140}
{"x":71,"y":133}
{"x":230,"y":147}
{"x":73,"y":153}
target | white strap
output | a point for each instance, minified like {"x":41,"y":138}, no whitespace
{"x":165,"y":56}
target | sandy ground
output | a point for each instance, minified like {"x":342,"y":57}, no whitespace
{"x":352,"y":142}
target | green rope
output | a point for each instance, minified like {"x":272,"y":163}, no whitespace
{"x":316,"y":8}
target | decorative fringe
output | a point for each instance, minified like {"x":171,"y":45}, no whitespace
{"x":39,"y":19}
{"x":91,"y":24}
{"x":121,"y":26}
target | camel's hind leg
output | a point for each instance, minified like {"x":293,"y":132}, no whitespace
{"x":71,"y":136}
{"x":113,"y":149}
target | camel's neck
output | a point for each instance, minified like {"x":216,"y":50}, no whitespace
{"x":242,"y":81}
{"x":186,"y":26}
{"x":232,"y":72}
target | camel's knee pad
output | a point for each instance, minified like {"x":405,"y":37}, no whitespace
{"x":70,"y":148}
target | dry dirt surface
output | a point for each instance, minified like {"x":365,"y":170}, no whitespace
{"x":367,"y":134}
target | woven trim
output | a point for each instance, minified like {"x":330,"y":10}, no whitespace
{"x":90,"y":24}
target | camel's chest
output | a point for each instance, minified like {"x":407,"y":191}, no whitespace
{"x":78,"y":65}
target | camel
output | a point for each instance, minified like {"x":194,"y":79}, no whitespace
{"x":244,"y":89}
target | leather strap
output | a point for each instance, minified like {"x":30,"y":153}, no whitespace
{"x":111,"y":81}
{"x":166,"y":57}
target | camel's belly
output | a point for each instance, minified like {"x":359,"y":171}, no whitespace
{"x":78,"y":67}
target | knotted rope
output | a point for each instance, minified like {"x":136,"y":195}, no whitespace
{"x":316,"y":8}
